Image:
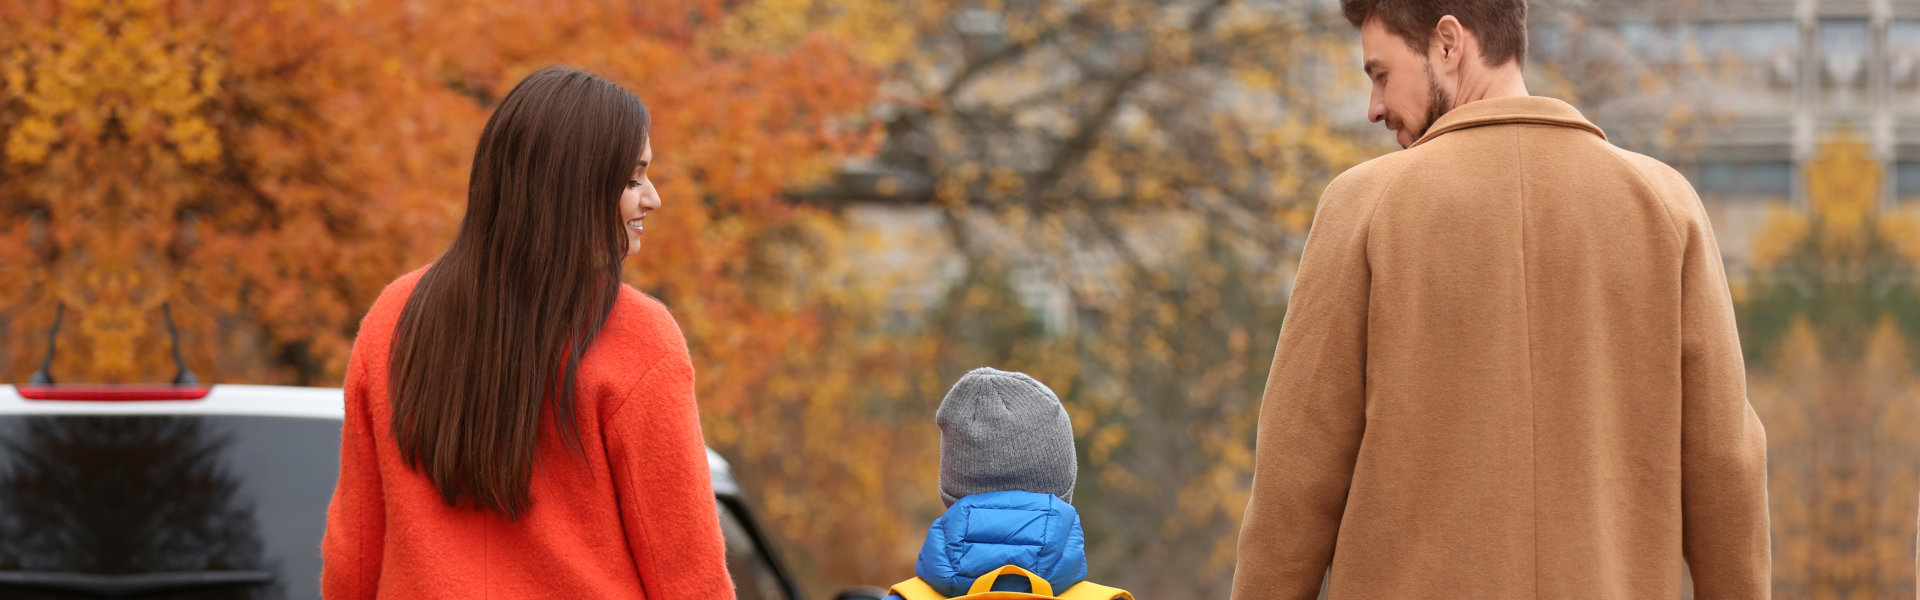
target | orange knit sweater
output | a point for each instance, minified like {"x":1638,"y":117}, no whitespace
{"x":635,"y":520}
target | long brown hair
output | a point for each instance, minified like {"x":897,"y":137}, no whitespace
{"x":496,"y":327}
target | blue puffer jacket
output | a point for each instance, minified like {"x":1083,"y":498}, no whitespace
{"x":982,"y":532}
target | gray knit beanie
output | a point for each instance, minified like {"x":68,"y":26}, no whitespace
{"x":1002,"y":431}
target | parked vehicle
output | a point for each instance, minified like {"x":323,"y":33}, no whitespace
{"x":189,"y":490}
{"x":194,"y":491}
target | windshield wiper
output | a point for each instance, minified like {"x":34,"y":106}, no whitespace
{"x":131,"y":583}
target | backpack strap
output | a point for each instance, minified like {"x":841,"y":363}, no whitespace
{"x":919,"y":589}
{"x":915,"y":589}
{"x":1087,"y":590}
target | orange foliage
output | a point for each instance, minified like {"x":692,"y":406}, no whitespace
{"x":267,"y":167}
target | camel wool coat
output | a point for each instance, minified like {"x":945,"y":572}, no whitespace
{"x":1508,"y":370}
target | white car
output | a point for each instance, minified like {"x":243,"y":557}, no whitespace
{"x":196,"y":491}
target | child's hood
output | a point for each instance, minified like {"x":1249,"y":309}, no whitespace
{"x":982,"y":532}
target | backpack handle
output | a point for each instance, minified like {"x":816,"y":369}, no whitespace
{"x":985,"y":582}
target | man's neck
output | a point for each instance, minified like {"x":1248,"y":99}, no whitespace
{"x":1505,"y":81}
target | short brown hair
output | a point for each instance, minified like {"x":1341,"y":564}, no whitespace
{"x":1501,"y":25}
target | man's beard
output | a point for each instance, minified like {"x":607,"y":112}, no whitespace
{"x":1439,"y":103}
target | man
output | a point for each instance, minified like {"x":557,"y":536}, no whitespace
{"x":1509,"y":368}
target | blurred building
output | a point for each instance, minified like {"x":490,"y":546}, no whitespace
{"x":1781,"y":76}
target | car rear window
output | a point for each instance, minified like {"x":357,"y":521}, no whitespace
{"x":127,"y":495}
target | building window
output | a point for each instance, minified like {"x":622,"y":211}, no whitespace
{"x":1843,"y":50}
{"x":1745,"y":179}
{"x":1903,"y":57}
{"x":1753,"y":42}
{"x":1906,"y":181}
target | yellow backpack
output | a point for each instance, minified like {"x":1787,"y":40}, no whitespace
{"x":918,"y":589}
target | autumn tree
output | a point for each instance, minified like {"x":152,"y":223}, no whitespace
{"x":1111,"y":195}
{"x":267,"y":167}
{"x":1827,"y":318}
{"x":267,"y":179}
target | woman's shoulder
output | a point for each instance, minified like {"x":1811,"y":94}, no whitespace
{"x":639,"y":338}
{"x":641,"y":324}
{"x":639,"y":313}
{"x":402,"y":286}
{"x":386,"y":308}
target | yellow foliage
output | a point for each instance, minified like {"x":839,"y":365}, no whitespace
{"x":1843,"y":184}
{"x":1784,"y":228}
{"x":1841,"y":401}
{"x":1902,"y":228}
{"x":880,"y":32}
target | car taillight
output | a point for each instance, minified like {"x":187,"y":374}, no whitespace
{"x":113,"y":393}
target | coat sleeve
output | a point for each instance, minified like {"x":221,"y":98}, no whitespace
{"x":659,"y":464}
{"x":356,"y":518}
{"x":1723,"y":461}
{"x":1313,"y":411}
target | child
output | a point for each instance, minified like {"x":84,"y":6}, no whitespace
{"x":1007,"y":468}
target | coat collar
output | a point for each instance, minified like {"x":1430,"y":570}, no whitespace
{"x":1537,"y":110}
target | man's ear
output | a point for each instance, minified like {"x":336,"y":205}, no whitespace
{"x":1449,"y":38}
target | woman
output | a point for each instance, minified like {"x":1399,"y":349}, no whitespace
{"x":519,"y":424}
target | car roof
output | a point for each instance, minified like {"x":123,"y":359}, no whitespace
{"x":258,"y":401}
{"x":237,"y":400}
